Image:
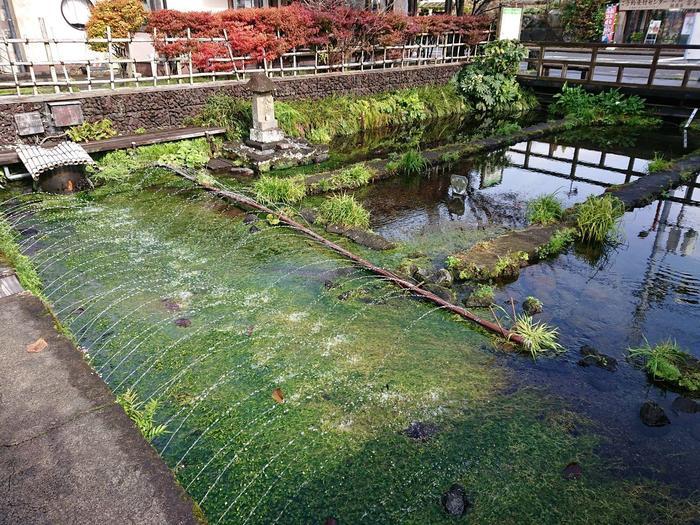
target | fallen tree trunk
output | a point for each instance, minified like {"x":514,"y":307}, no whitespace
{"x":247,"y":202}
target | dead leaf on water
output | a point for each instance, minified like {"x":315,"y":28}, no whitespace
{"x":277,"y":395}
{"x":37,"y":346}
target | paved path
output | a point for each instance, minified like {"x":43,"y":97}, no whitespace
{"x":68,"y":453}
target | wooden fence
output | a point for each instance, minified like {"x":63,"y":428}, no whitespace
{"x":659,"y":66}
{"x":115,"y":67}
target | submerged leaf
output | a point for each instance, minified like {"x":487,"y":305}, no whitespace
{"x":277,"y":395}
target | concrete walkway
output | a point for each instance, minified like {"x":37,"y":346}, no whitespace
{"x":68,"y":453}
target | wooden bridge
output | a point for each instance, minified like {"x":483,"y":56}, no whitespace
{"x":663,"y":74}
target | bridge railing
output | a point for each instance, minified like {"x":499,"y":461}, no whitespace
{"x":661,"y":66}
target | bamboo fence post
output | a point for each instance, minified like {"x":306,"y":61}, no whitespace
{"x":49,"y":55}
{"x":109,"y":57}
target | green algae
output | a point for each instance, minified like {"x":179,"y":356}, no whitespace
{"x":271,"y":310}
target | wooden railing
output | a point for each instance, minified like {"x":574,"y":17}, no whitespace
{"x":59,"y":71}
{"x":620,"y":65}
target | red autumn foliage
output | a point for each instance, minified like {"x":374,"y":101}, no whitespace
{"x":268,"y":33}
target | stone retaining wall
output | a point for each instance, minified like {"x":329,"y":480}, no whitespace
{"x":158,"y":107}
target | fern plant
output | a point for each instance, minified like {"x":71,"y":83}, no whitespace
{"x":142,"y":414}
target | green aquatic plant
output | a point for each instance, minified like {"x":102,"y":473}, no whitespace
{"x":507,"y":128}
{"x":532,"y":305}
{"x":606,"y":108}
{"x":667,"y":363}
{"x":557,"y":243}
{"x":658,"y":163}
{"x":87,"y":131}
{"x":23,"y":266}
{"x":319,"y":135}
{"x":538,"y":337}
{"x":349,"y":178}
{"x":544,"y":210}
{"x":483,"y":295}
{"x":410,"y":163}
{"x":450,"y":157}
{"x":142,"y":414}
{"x":598,"y":217}
{"x":269,"y":189}
{"x":344,"y":210}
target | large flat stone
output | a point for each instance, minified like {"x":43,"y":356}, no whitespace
{"x":68,"y":453}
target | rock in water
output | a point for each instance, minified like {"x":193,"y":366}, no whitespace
{"x":591,"y":357}
{"x":254,"y":229}
{"x":443,"y":293}
{"x":572,"y":471}
{"x":421,"y":431}
{"x":684,"y":404}
{"x":454,"y":501}
{"x":443,"y":277}
{"x":183,"y":322}
{"x":308,"y":215}
{"x":532,"y":306}
{"x":250,"y":218}
{"x":653,"y":415}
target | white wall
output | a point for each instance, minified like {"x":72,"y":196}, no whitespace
{"x":198,"y":5}
{"x":28,"y":12}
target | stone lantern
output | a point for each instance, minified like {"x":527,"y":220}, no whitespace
{"x":264,"y":131}
{"x":268,"y":148}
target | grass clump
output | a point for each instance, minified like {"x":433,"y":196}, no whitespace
{"x":277,"y":190}
{"x":142,"y":414}
{"x":450,"y":157}
{"x":538,"y":337}
{"x":344,"y":210}
{"x":658,"y":163}
{"x":557,"y":243}
{"x":598,"y":217}
{"x":352,"y":177}
{"x":667,"y":363}
{"x":482,"y":296}
{"x":23,"y":266}
{"x":410,"y":163}
{"x":507,"y":128}
{"x":544,"y":210}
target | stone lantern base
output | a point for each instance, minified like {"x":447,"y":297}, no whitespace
{"x":266,"y":156}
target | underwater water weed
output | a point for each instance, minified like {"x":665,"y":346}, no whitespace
{"x":598,"y":217}
{"x":667,"y":363}
{"x":545,"y":209}
{"x":538,"y":337}
{"x":142,"y":414}
{"x":277,"y":190}
{"x":344,"y":210}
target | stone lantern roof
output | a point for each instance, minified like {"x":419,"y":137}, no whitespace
{"x":259,"y":83}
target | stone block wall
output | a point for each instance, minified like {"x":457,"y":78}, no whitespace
{"x":168,"y":106}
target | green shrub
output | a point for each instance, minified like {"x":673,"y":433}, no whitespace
{"x":667,"y":363}
{"x":277,"y":190}
{"x":544,"y":210}
{"x":598,"y":217}
{"x":410,"y":163}
{"x":605,"y":108}
{"x":352,"y":177}
{"x":141,"y":414}
{"x":489,"y":82}
{"x":87,"y":131}
{"x":582,"y":20}
{"x":344,"y":210}
{"x":557,"y":243}
{"x":658,"y":163}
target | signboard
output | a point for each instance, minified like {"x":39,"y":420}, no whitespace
{"x":29,"y":123}
{"x":510,"y":22}
{"x":652,"y":32}
{"x":609,"y":24}
{"x":640,"y":5}
{"x":66,"y":114}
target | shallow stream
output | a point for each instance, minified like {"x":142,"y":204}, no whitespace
{"x":169,"y":292}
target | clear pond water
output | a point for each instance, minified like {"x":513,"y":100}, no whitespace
{"x":169,"y":292}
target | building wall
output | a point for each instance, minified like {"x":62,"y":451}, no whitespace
{"x":27,"y":16}
{"x":150,"y":108}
